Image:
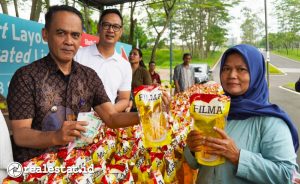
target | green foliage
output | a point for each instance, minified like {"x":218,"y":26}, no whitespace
{"x":283,"y":40}
{"x":288,"y":15}
{"x":94,"y":27}
{"x":216,"y":35}
{"x":201,"y":24}
{"x":251,"y":27}
{"x":90,"y":25}
{"x":139,"y":34}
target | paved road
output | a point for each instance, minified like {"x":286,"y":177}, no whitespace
{"x":288,"y":100}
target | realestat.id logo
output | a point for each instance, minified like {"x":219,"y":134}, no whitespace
{"x":14,"y":170}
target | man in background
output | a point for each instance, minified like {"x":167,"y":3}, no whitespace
{"x":184,"y":74}
{"x":114,"y":71}
{"x":154,"y":76}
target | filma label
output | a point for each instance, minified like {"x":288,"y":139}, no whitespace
{"x":146,"y":97}
{"x":207,"y":109}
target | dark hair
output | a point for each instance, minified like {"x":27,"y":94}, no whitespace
{"x":108,"y":11}
{"x":186,"y":54}
{"x":142,"y":64}
{"x":235,"y":52}
{"x":53,"y":9}
{"x":152,"y":62}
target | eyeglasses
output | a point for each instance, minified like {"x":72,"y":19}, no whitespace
{"x":107,"y":26}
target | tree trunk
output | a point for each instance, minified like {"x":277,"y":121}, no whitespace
{"x":73,"y":3}
{"x":4,"y":6}
{"x":47,"y":2}
{"x":132,"y":24}
{"x":33,"y":9}
{"x":153,"y":54}
{"x":121,"y":8}
{"x":169,"y":10}
{"x":38,"y":10}
{"x":87,"y":20}
{"x":16,"y":8}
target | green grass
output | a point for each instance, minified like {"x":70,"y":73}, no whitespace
{"x":292,"y":53}
{"x":290,"y":85}
{"x":274,"y":70}
{"x":163,"y":58}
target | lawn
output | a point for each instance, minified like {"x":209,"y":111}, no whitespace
{"x":290,"y":85}
{"x":292,"y":53}
{"x":274,"y":70}
{"x":163,"y":58}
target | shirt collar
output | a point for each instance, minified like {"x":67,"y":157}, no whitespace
{"x":95,"y":52}
{"x":53,"y":68}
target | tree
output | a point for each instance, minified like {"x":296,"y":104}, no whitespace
{"x":159,"y":19}
{"x":132,"y":22}
{"x":36,"y":8}
{"x":16,"y":7}
{"x":4,"y":6}
{"x":288,"y":16}
{"x":139,"y":34}
{"x":251,"y":27}
{"x":201,"y":24}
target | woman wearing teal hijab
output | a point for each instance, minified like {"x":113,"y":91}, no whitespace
{"x":259,"y":141}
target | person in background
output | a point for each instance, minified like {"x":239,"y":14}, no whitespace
{"x":113,"y":70}
{"x":140,"y":75}
{"x":6,"y":154}
{"x":45,"y":96}
{"x":154,"y":76}
{"x":260,"y":140}
{"x":297,"y":85}
{"x":184,"y":75}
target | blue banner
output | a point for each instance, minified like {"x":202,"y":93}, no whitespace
{"x":21,"y":43}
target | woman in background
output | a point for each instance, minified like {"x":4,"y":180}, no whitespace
{"x":140,"y":75}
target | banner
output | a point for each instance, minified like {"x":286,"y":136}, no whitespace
{"x":21,"y":43}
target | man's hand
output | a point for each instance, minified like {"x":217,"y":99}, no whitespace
{"x":123,"y":100}
{"x":166,"y":101}
{"x":69,"y":131}
{"x":129,"y":106}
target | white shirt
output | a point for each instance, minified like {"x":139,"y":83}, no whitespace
{"x":115,"y":72}
{"x":6,"y":154}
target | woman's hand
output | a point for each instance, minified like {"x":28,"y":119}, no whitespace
{"x":195,"y":140}
{"x":224,"y":146}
